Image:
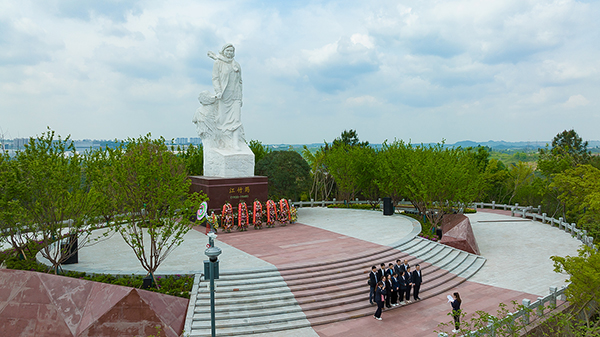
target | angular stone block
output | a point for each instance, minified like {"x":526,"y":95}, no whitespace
{"x":226,"y":163}
{"x":458,"y":233}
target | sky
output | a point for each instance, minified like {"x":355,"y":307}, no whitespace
{"x":420,"y":71}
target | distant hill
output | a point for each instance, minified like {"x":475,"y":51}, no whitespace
{"x":593,"y":145}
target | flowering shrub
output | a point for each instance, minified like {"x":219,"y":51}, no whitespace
{"x":293,"y":214}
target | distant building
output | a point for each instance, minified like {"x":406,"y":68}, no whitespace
{"x":181,"y":141}
{"x":195,"y":140}
{"x":19,"y":143}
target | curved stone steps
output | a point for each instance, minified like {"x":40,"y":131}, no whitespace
{"x":266,"y":300}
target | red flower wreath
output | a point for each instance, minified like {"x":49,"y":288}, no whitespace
{"x":227,"y":217}
{"x":271,"y":213}
{"x":257,"y":215}
{"x":284,"y":212}
{"x":242,"y":216}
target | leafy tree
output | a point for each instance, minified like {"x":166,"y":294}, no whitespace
{"x":392,"y":167}
{"x":494,"y":182}
{"x":349,"y":138}
{"x":14,"y":227}
{"x":440,"y":180}
{"x":519,"y":176}
{"x":579,"y":189}
{"x":259,"y":150}
{"x":322,"y":182}
{"x":150,"y":186}
{"x":568,"y":150}
{"x":193,"y":158}
{"x":55,"y":199}
{"x":583,"y":291}
{"x":288,"y":172}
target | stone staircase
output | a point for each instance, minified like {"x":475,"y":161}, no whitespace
{"x":300,"y":295}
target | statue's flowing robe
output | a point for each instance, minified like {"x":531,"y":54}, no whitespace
{"x":227,"y":80}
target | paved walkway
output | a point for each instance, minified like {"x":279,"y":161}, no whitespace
{"x":518,"y":264}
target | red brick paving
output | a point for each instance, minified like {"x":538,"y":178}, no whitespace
{"x":302,"y":244}
{"x":297,"y":244}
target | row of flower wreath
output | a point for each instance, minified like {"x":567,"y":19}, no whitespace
{"x":280,"y":211}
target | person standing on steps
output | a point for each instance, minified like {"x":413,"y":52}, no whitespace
{"x":456,"y":311}
{"x":409,"y":283}
{"x":398,"y":268}
{"x":381,"y":272}
{"x":395,"y":289}
{"x":388,"y":295}
{"x":379,"y":299}
{"x":402,"y":282}
{"x":373,"y":279}
{"x":417,"y":279}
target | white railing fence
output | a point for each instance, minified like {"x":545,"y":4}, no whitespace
{"x":535,"y":213}
{"x":519,"y":319}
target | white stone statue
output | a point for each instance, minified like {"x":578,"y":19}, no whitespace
{"x":219,"y":120}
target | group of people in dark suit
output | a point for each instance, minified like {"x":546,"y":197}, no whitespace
{"x":391,"y":285}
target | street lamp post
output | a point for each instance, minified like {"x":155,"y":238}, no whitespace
{"x":211,"y":269}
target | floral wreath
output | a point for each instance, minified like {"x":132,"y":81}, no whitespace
{"x":284,"y":212}
{"x":227,"y":217}
{"x":242,"y":216}
{"x":257,"y":214}
{"x":271,"y":213}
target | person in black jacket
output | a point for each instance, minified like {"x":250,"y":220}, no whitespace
{"x":409,"y":283}
{"x":388,"y":290}
{"x":395,"y":289}
{"x":379,"y":299}
{"x":456,"y":311}
{"x":373,"y":279}
{"x":402,"y":290}
{"x":417,"y":279}
{"x":381,"y":271}
{"x":398,"y":268}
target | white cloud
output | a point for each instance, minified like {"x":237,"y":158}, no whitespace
{"x":576,"y":101}
{"x":367,"y":99}
{"x":120,"y":69}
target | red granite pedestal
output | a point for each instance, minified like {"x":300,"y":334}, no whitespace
{"x":219,"y":190}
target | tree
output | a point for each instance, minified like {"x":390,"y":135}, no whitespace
{"x":579,"y":190}
{"x":350,"y":138}
{"x":55,"y":199}
{"x":441,"y":180}
{"x":193,"y":158}
{"x":583,"y":291}
{"x":494,"y":182}
{"x":150,"y":186}
{"x":14,"y":227}
{"x":322,"y":182}
{"x":392,"y":167}
{"x":568,"y":150}
{"x":288,"y":172}
{"x":259,"y":150}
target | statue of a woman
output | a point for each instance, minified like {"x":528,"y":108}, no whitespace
{"x":219,"y":120}
{"x":227,"y":81}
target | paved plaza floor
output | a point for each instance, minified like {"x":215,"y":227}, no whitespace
{"x":517,"y":250}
